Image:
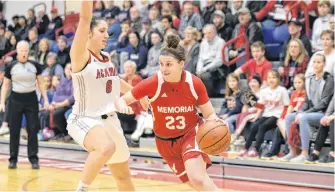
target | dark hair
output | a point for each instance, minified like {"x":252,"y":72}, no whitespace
{"x":259,"y":44}
{"x":172,"y":48}
{"x":167,"y":17}
{"x":321,"y":55}
{"x":95,"y":21}
{"x":155,"y":31}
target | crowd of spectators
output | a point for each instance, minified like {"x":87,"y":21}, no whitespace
{"x":290,"y":71}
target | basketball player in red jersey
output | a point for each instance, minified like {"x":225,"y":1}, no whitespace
{"x":174,"y":95}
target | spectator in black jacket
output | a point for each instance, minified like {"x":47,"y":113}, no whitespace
{"x":224,"y":31}
{"x":22,"y":32}
{"x":208,"y":11}
{"x":295,"y":31}
{"x":31,"y":20}
{"x":33,"y":43}
{"x":63,"y":54}
{"x":42,"y":22}
{"x":247,"y":27}
{"x":56,"y":23}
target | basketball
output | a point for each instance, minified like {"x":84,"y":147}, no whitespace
{"x":213,"y":137}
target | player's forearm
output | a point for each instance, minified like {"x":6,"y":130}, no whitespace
{"x":125,"y":87}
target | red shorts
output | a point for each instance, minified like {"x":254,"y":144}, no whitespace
{"x":176,"y":153}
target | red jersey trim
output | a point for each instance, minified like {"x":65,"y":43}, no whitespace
{"x":101,"y":60}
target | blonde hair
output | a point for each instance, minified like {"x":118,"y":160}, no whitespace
{"x":300,"y":76}
{"x":303,"y":53}
{"x":45,"y":40}
{"x":229,"y":91}
{"x":276,"y":74}
{"x":194,"y":31}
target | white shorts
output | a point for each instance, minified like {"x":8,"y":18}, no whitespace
{"x":78,"y":127}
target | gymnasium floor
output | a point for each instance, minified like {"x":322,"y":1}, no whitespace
{"x":61,"y":171}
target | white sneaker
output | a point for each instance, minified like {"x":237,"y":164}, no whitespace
{"x":4,"y":130}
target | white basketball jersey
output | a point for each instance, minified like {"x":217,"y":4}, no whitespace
{"x":96,"y":88}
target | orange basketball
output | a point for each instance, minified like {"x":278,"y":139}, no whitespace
{"x":213,"y":137}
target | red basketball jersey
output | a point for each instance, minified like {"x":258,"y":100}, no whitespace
{"x":173,"y":104}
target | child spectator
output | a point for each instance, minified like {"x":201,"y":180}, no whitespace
{"x":232,"y":105}
{"x":258,"y":64}
{"x":45,"y":132}
{"x":248,"y":110}
{"x":296,"y":102}
{"x":272,"y":105}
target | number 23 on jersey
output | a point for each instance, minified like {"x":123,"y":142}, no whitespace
{"x":175,"y":122}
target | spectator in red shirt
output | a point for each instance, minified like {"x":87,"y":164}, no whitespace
{"x":128,"y":122}
{"x":258,"y":64}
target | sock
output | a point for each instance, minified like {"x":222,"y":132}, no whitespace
{"x":82,"y":186}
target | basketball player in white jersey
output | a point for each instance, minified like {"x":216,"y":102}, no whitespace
{"x":93,"y":123}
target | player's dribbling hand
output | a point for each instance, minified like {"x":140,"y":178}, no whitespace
{"x":145,"y":103}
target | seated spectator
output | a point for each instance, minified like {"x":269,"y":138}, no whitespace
{"x":192,"y":49}
{"x":154,"y":19}
{"x":233,"y":104}
{"x":112,"y":9}
{"x":123,"y":40}
{"x":296,"y":61}
{"x":319,"y":92}
{"x":135,"y":19}
{"x":3,"y":41}
{"x":114,"y":32}
{"x":272,"y":105}
{"x":232,"y":18}
{"x":166,"y":23}
{"x":327,"y":38}
{"x":128,"y":122}
{"x":144,"y":6}
{"x":45,"y":132}
{"x":124,"y":13}
{"x":208,"y":11}
{"x":99,"y":8}
{"x":224,"y":30}
{"x":222,"y":6}
{"x":210,"y":59}
{"x":327,"y":128}
{"x":249,"y":28}
{"x":248,"y":110}
{"x":321,"y":24}
{"x":332,"y":23}
{"x":63,"y":54}
{"x":22,"y":32}
{"x":53,"y":67}
{"x":43,"y":22}
{"x":33,"y":43}
{"x":15,"y":24}
{"x":168,"y":11}
{"x":61,"y":103}
{"x":56,"y":22}
{"x":296,"y":102}
{"x":295,"y":31}
{"x":257,"y":65}
{"x":43,"y":51}
{"x":136,"y":51}
{"x":31,"y":20}
{"x":189,"y":18}
{"x":153,"y":56}
{"x":146,"y":33}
